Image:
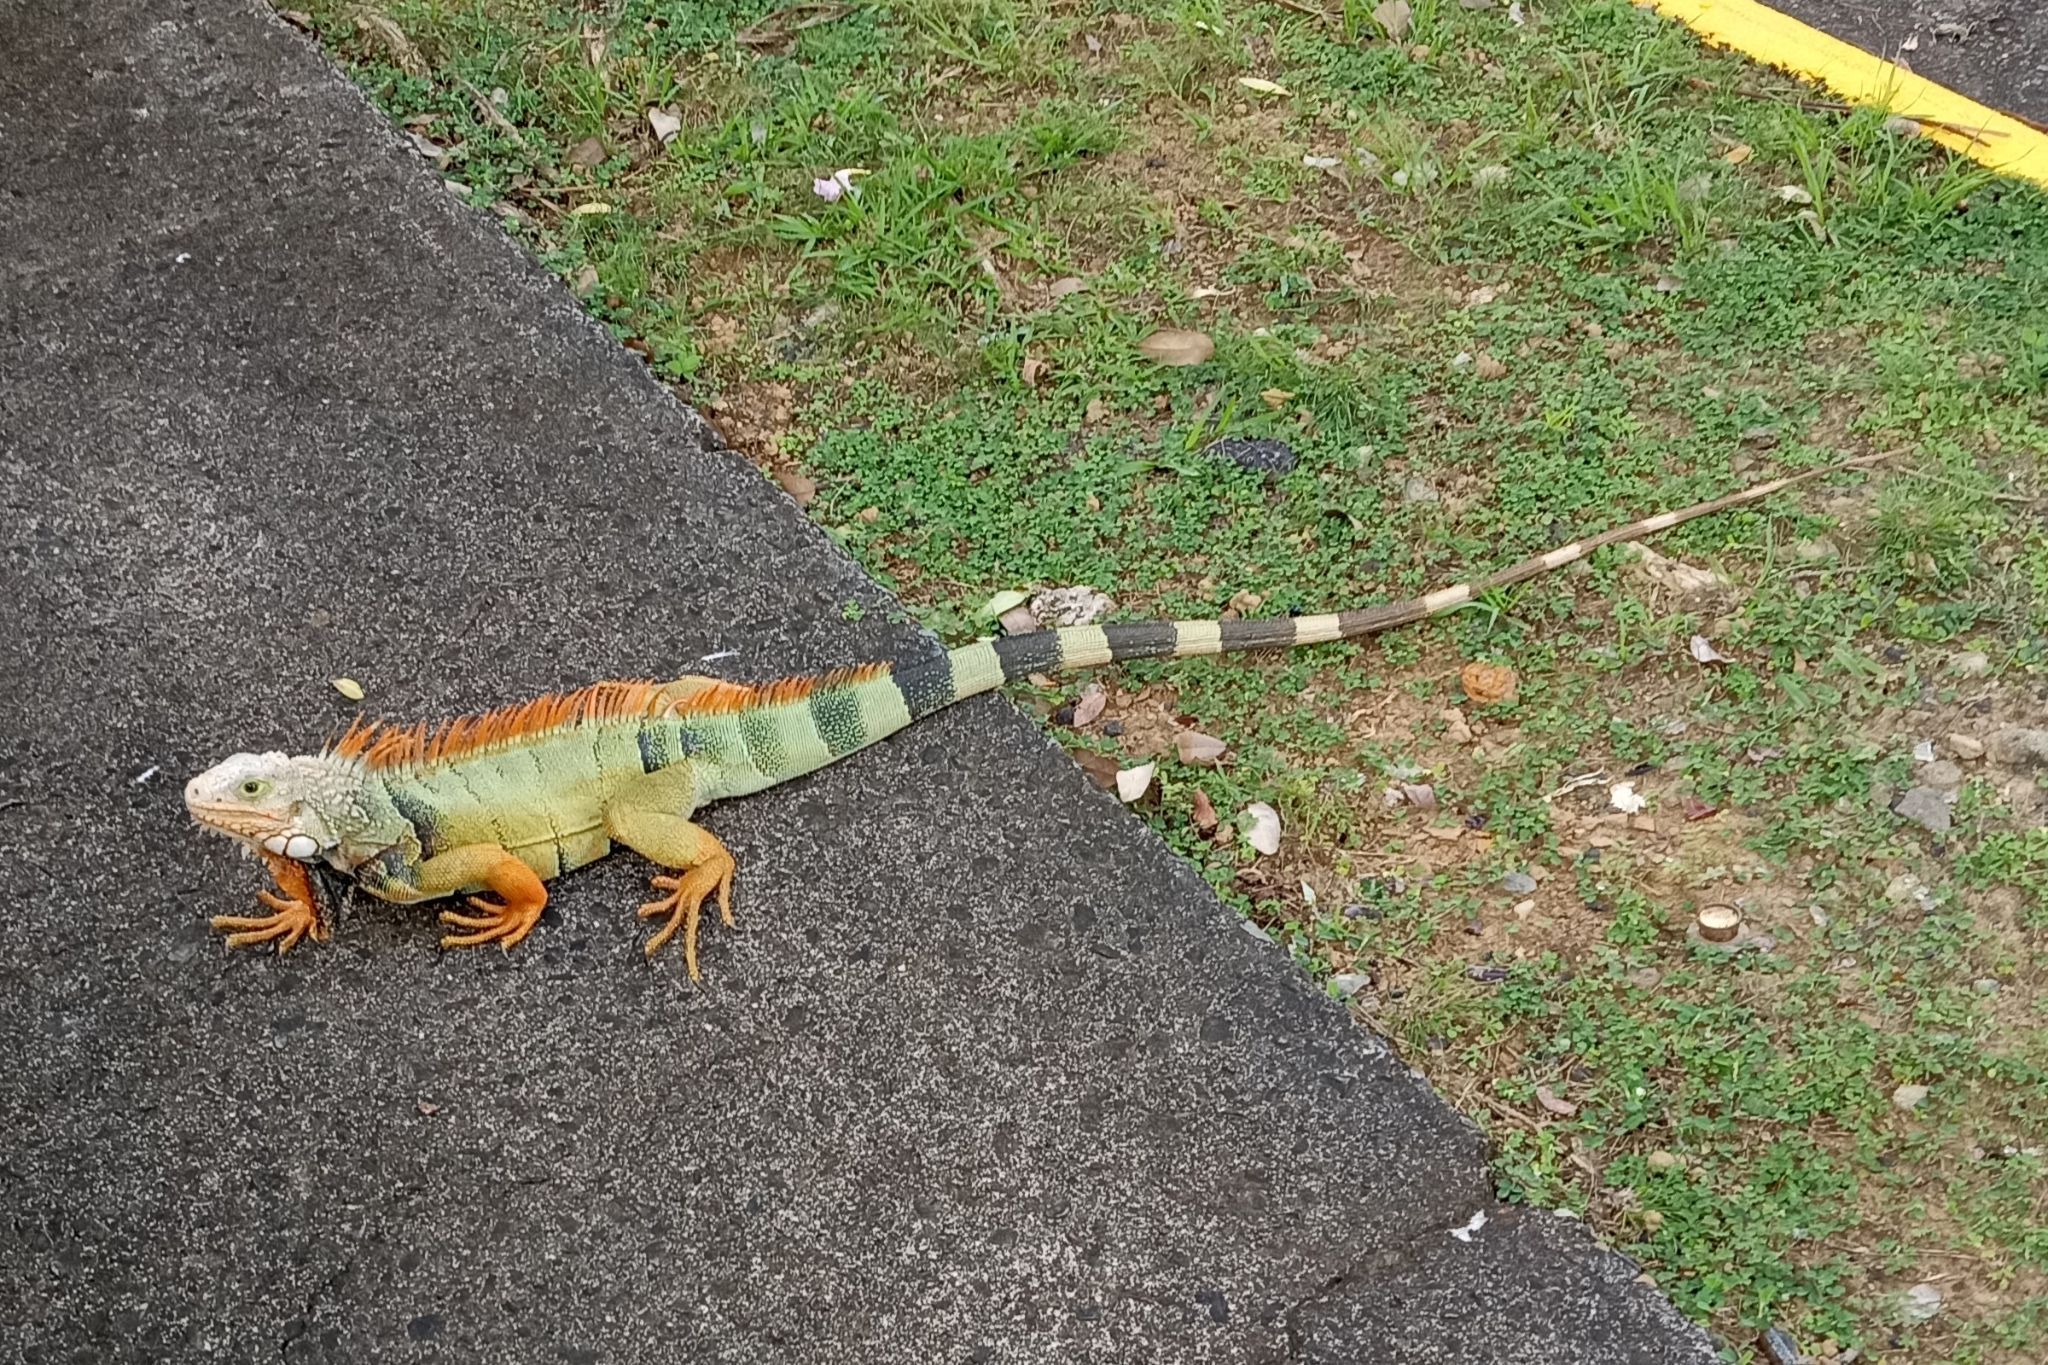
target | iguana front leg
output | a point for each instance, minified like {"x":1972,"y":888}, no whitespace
{"x":643,"y":818}
{"x":298,"y":914}
{"x":506,"y":921}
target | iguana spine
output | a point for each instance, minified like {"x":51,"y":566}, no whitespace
{"x":512,"y":798}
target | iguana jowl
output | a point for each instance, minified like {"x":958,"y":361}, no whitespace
{"x":506,"y":801}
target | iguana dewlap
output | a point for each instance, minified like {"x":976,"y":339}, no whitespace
{"x":494,"y":806}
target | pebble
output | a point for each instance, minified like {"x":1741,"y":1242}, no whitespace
{"x":1518,"y":883}
{"x":1261,"y":454}
{"x":1665,"y":1161}
{"x":1456,"y":729}
{"x":1965,"y":747}
{"x":1821,"y":551}
{"x":2020,"y":747}
{"x":1909,"y":1096}
{"x":1420,"y":490}
{"x":1925,"y":807}
{"x":1920,"y":1303}
{"x":1985,"y":985}
{"x":1969,"y":664}
{"x":1943,"y":774}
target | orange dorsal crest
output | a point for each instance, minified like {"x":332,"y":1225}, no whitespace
{"x":381,"y":745}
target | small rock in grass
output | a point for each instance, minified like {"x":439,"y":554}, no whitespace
{"x":1349,"y":984}
{"x":1942,"y":774}
{"x":1518,"y":883}
{"x":1665,"y":1161}
{"x":1076,"y":606}
{"x":1264,"y":831}
{"x":1969,"y":664}
{"x":1925,"y":807}
{"x":1909,"y":1096}
{"x":1260,"y":454}
{"x":1920,"y":1303}
{"x":1818,"y":551}
{"x":2020,"y":747}
{"x":1966,"y":747}
{"x":1456,"y":730}
{"x":1420,"y":490}
{"x":1985,"y":985}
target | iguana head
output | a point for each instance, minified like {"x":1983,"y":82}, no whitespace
{"x":274,"y":802}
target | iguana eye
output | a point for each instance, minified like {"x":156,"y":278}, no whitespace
{"x":255,"y":787}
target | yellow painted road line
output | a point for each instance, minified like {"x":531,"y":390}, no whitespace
{"x":1995,"y":140}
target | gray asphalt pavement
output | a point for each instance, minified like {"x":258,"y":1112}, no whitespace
{"x":1994,"y":51}
{"x":985,"y":1075}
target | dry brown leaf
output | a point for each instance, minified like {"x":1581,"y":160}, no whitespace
{"x":1486,"y":366}
{"x":596,"y":208}
{"x":584,"y":281}
{"x":1198,"y":749}
{"x":1101,"y":769}
{"x":1738,"y":154}
{"x":1395,"y":17}
{"x":594,"y":43}
{"x":1488,"y":684}
{"x":1259,"y":85}
{"x":1070,"y":284}
{"x":802,"y":487}
{"x":1172,"y":346}
{"x":1097,"y":410}
{"x":1089,"y":709}
{"x":1204,"y":812}
{"x":385,"y":34}
{"x":1018,"y":621}
{"x":1553,"y":1105}
{"x":1276,"y":398}
{"x":1032,"y":371}
{"x":587,"y":154}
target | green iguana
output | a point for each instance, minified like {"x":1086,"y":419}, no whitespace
{"x":507,"y":800}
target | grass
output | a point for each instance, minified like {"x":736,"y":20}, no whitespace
{"x":1496,"y":285}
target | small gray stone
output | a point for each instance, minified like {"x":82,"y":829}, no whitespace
{"x":2020,"y":747}
{"x":1969,"y":664}
{"x":1985,"y":985}
{"x":1925,"y":807}
{"x":1519,"y":883}
{"x":1818,"y":551}
{"x":1260,"y":454}
{"x":1943,"y":774}
{"x":1966,"y":747}
{"x":1909,"y":1096}
{"x":1920,"y":1303}
{"x":1420,"y":490}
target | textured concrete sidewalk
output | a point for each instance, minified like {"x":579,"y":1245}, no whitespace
{"x":985,"y":1075}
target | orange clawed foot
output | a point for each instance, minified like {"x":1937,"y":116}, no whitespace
{"x":505,"y":925}
{"x":295,"y":919}
{"x":685,"y":903}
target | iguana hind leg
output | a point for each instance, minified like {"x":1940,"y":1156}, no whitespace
{"x":703,"y":866}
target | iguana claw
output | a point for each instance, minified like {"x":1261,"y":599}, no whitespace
{"x":685,"y":903}
{"x":297,"y":917}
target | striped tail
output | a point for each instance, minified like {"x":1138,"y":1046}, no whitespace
{"x":987,"y":665}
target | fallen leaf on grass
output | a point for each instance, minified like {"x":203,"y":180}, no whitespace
{"x":1696,"y":809}
{"x":1089,"y":708}
{"x":1133,"y":783}
{"x":802,"y":487}
{"x":1172,"y":346}
{"x":385,"y":34}
{"x":596,"y":208}
{"x":1488,"y":684}
{"x":1395,"y":17}
{"x":1553,"y":1105}
{"x":1259,"y":85}
{"x":1032,"y":372}
{"x":666,"y":123}
{"x":587,"y":154}
{"x":350,"y":688}
{"x":1420,"y":795}
{"x":1738,"y":154}
{"x":1198,"y":749}
{"x":1101,"y":769}
{"x":1485,"y":366}
{"x":1065,"y":285}
{"x":1624,"y":798}
{"x":1793,"y":194}
{"x":584,"y":281}
{"x":778,"y":30}
{"x":1704,"y":652}
{"x":1204,"y":812}
{"x":1264,"y":832}
{"x":1276,"y":398}
{"x":1002,"y":602}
